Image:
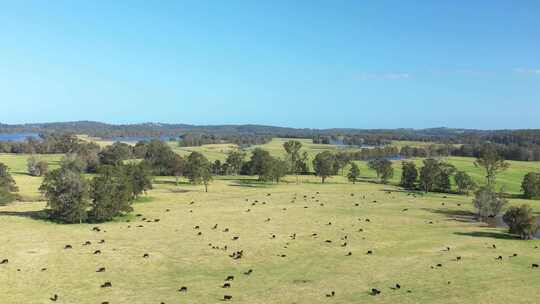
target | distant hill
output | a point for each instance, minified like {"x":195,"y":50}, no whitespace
{"x":105,"y":130}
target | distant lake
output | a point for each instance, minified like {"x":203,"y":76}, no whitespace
{"x":18,"y":137}
{"x":143,"y":138}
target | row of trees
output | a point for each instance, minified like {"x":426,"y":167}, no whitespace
{"x":435,"y":176}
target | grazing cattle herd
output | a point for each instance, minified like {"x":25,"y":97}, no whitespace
{"x":217,"y":237}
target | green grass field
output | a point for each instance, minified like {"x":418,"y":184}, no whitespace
{"x":28,"y":185}
{"x":407,"y":235}
{"x":405,"y":248}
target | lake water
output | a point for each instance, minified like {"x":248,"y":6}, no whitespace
{"x":142,"y":138}
{"x":17,"y":137}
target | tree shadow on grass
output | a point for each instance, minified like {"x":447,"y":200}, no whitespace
{"x":36,"y":215}
{"x":251,"y":183}
{"x":170,"y":182}
{"x":455,"y":215}
{"x":489,"y":234}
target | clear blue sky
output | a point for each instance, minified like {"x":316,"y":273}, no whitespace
{"x":318,"y":64}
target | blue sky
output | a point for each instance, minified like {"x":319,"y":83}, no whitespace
{"x":315,"y":64}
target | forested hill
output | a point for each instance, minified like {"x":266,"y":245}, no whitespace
{"x":531,"y":136}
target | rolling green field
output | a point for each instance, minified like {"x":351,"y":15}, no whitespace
{"x":296,"y":238}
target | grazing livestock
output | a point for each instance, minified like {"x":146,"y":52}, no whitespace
{"x":183,"y":289}
{"x":102,"y":269}
{"x":229,"y":278}
{"x":97,"y":252}
{"x":349,"y":254}
{"x":226,"y":285}
{"x":87,"y":243}
{"x":68,"y":247}
{"x":248,"y":272}
{"x":4,"y":261}
{"x":227,"y":297}
{"x":534,"y":265}
{"x":146,"y":255}
{"x":54,"y":298}
{"x":101,"y":241}
{"x":331,"y":294}
{"x":369,"y":252}
{"x":106,"y":285}
{"x":375,"y":291}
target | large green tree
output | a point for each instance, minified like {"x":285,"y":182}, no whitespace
{"x":178,"y":166}
{"x":197,"y":167}
{"x":531,"y":185}
{"x":292,"y":147}
{"x":159,"y":157}
{"x":111,"y":193}
{"x":7,"y":185}
{"x":383,"y":169}
{"x":140,"y":176}
{"x":261,"y":164}
{"x":115,"y":153}
{"x":409,"y":175}
{"x":234,"y":161}
{"x":67,"y":193}
{"x":279,"y":169}
{"x":435,"y":175}
{"x":521,"y":221}
{"x":464,"y":182}
{"x":488,"y":203}
{"x":324,"y":166}
{"x":36,"y":167}
{"x":354,"y":173}
{"x":492,"y":163}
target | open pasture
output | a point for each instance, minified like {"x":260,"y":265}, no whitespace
{"x":301,"y":241}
